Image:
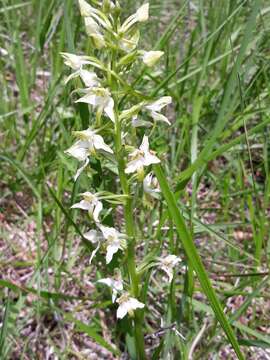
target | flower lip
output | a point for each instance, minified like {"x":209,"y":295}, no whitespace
{"x":127,"y":305}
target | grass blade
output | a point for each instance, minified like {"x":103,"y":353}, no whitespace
{"x":225,"y":108}
{"x":195,"y":259}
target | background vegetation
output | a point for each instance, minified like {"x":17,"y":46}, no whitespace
{"x":216,"y":159}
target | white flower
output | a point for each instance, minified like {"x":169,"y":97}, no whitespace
{"x":150,"y":184}
{"x":95,"y":141}
{"x":127,"y":305}
{"x":91,"y":203}
{"x":75,"y":62}
{"x":116,"y":284}
{"x":155,"y":107}
{"x":100,"y":98}
{"x":114,"y":241}
{"x":141,"y":157}
{"x":141,"y":15}
{"x":151,"y":57}
{"x":87,"y":145}
{"x":168,"y":263}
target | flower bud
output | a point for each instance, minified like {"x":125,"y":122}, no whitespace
{"x":143,"y":13}
{"x":151,"y":57}
{"x":85,"y":8}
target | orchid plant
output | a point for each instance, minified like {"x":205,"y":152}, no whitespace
{"x":105,"y":80}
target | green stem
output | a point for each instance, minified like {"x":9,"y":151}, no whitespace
{"x":130,"y":232}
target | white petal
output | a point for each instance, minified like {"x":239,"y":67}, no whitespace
{"x":151,"y":57}
{"x":111,"y":250}
{"x":94,"y":253}
{"x":114,"y":295}
{"x":72,"y":76}
{"x":84,"y":205}
{"x":145,"y":144}
{"x":89,"y":98}
{"x":97,"y":210}
{"x":134,"y":304}
{"x":80,"y":170}
{"x":133,"y":166}
{"x":142,"y":13}
{"x":121,"y":311}
{"x":86,"y":135}
{"x":85,"y":8}
{"x":100,"y":144}
{"x":159,"y":117}
{"x":109,"y":109}
{"x":159,"y":104}
{"x":150,"y":184}
{"x":106,"y":281}
{"x":118,"y":284}
{"x":79,"y":151}
{"x":108,"y":231}
{"x":74,"y":61}
{"x":150,"y":159}
{"x":89,"y":78}
{"x":93,"y":236}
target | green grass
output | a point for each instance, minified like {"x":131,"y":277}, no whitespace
{"x":214,"y":179}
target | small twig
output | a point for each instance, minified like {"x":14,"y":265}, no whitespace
{"x":197,"y":340}
{"x":162,"y":330}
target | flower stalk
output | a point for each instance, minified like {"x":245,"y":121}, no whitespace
{"x":106,"y":78}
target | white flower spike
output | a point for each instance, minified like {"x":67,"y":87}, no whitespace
{"x":127,"y":305}
{"x":155,"y":107}
{"x":116,"y":284}
{"x":140,"y":158}
{"x":101,"y":99}
{"x":89,"y":143}
{"x":91,"y":203}
{"x":151,"y":57}
{"x":114,"y":241}
{"x":168,"y":263}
